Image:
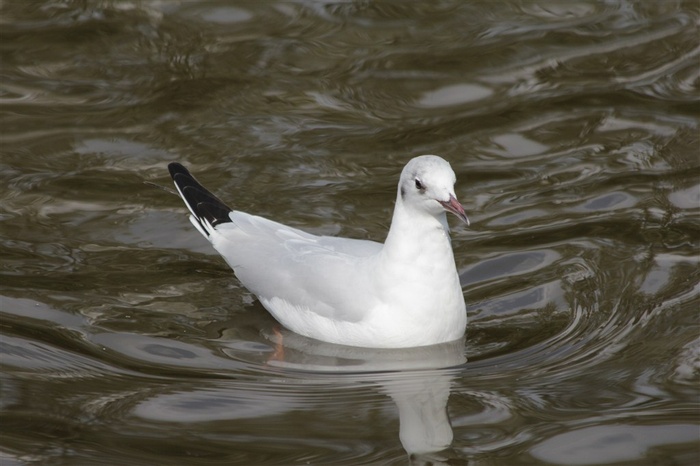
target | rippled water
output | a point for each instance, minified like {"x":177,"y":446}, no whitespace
{"x":573,"y":129}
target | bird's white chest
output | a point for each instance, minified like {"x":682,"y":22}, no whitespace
{"x":421,"y":298}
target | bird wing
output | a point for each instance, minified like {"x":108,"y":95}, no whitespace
{"x":321,"y":274}
{"x":325,"y":278}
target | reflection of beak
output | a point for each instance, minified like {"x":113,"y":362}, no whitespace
{"x":456,"y":208}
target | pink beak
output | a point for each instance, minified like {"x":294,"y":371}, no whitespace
{"x":456,"y":208}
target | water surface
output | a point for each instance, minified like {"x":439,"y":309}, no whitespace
{"x":573,"y":130}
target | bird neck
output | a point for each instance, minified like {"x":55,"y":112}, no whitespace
{"x":415,"y":234}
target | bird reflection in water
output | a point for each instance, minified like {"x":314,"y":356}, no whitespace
{"x":418,"y":380}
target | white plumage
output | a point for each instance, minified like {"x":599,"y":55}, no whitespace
{"x":402,"y":293}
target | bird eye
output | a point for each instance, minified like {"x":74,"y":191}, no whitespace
{"x":419,"y":185}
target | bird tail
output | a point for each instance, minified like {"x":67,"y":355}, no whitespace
{"x":207,"y":210}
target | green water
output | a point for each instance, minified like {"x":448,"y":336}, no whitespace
{"x":572,"y":127}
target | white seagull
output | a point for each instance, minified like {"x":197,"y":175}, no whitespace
{"x":403,"y":293}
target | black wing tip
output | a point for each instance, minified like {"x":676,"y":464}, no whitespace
{"x":202,"y":203}
{"x":215,"y":213}
{"x":175,"y":167}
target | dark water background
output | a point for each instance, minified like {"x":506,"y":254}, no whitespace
{"x":573,"y":130}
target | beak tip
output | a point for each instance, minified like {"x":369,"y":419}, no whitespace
{"x":453,"y":205}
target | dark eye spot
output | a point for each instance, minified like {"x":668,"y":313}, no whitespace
{"x":419,"y":185}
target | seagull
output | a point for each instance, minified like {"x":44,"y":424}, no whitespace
{"x":400,"y":294}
